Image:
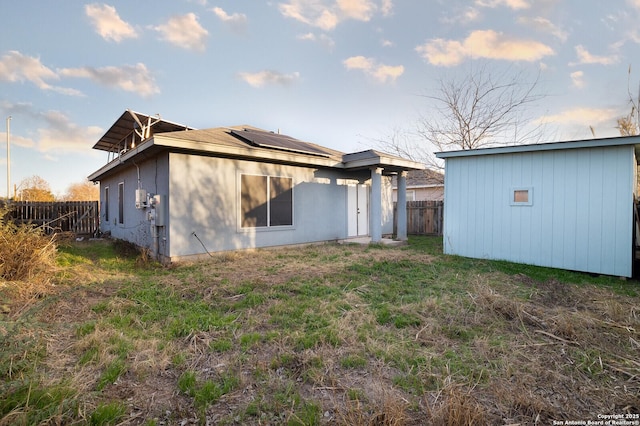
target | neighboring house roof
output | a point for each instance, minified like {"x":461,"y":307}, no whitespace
{"x":589,"y":143}
{"x":237,"y":142}
{"x":426,"y":178}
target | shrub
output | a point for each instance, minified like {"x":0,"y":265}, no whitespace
{"x":27,"y":255}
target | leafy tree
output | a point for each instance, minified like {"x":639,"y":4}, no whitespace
{"x":35,"y":188}
{"x":83,"y":191}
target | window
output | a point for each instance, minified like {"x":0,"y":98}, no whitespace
{"x":106,"y":204}
{"x":121,"y":203}
{"x":521,"y":197}
{"x":266,"y":201}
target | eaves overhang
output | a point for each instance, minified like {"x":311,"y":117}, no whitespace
{"x":542,"y":147}
{"x":166,"y":143}
{"x":369,"y":159}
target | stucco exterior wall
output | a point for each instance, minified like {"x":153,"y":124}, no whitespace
{"x":205,"y":200}
{"x":136,"y":227}
{"x":580,"y":215}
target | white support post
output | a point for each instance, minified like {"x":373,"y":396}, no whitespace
{"x":375,"y":224}
{"x":402,"y":206}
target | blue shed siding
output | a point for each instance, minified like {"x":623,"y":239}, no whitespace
{"x":581,"y":217}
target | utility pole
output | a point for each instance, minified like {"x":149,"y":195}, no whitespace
{"x":8,"y":159}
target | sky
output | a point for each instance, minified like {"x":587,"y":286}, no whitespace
{"x":339,"y":73}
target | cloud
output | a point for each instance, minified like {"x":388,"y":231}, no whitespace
{"x":486,"y":44}
{"x":469,"y":14}
{"x":130,"y":78}
{"x":545,"y":26}
{"x":16,"y":67}
{"x":327,"y":14}
{"x":634,"y":3}
{"x":512,"y":4}
{"x":53,"y":130}
{"x":184,"y":31}
{"x":323,"y":39}
{"x":108,"y":23}
{"x":360,"y":10}
{"x":387,"y":7}
{"x":583,"y":116}
{"x":60,"y":134}
{"x":584,"y":57}
{"x":17,"y":140}
{"x":577,"y":79}
{"x":237,"y":22}
{"x":268,"y":77}
{"x":380,"y":72}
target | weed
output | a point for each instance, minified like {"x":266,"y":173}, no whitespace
{"x":209,"y":391}
{"x":221,"y":345}
{"x":107,"y":414}
{"x":187,"y":383}
{"x":353,"y":361}
{"x":114,"y":370}
{"x":249,"y":340}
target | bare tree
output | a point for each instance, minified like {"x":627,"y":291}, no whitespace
{"x":629,"y":125}
{"x":480,"y":109}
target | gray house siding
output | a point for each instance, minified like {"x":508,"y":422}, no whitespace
{"x":135,"y":226}
{"x":205,"y":200}
{"x":580,"y":215}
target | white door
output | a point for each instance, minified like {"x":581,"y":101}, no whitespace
{"x":358,"y":210}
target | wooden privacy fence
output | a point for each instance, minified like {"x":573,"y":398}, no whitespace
{"x":423,"y":217}
{"x":79,"y":217}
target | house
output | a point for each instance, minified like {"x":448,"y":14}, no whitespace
{"x":422,"y":185}
{"x":181,"y":192}
{"x":566,"y":205}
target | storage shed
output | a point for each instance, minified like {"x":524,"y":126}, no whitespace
{"x":568,"y":205}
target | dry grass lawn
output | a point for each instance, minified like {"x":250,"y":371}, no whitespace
{"x":323,"y":334}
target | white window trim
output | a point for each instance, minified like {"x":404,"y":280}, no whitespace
{"x":512,"y":192}
{"x":268,"y":227}
{"x":121,"y":198}
{"x":106,"y":210}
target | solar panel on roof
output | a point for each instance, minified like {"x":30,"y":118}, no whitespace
{"x":278,"y":141}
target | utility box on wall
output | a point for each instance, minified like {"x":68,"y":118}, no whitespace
{"x":141,"y":198}
{"x":160,"y":206}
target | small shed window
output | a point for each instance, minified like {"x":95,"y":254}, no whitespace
{"x":521,"y":196}
{"x":266,"y":201}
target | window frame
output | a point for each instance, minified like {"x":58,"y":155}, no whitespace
{"x":512,"y":196}
{"x":106,"y":204}
{"x":121,"y":203}
{"x":269,"y":207}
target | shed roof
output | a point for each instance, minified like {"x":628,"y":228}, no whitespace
{"x":553,"y":146}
